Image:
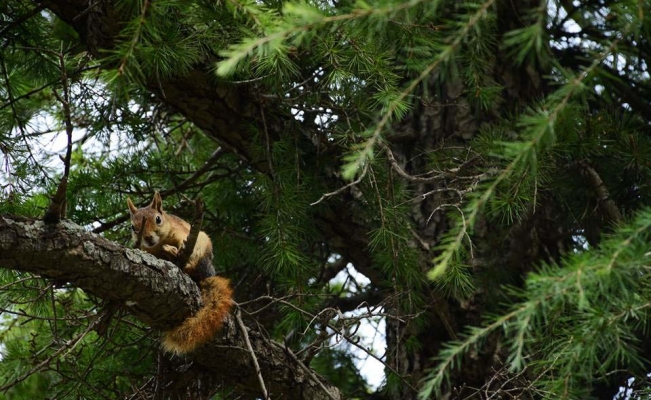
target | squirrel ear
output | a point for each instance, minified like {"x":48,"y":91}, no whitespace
{"x":157,"y":203}
{"x":132,"y":208}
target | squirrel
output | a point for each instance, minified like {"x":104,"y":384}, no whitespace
{"x":163,"y":236}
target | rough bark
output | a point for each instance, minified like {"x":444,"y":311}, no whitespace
{"x":160,"y":295}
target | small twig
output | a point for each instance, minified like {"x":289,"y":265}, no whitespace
{"x":22,"y":313}
{"x":159,"y":374}
{"x":140,"y":232}
{"x":426,"y":179}
{"x":258,"y":371}
{"x":305,"y":368}
{"x":247,"y":81}
{"x":57,"y":208}
{"x":337,"y":329}
{"x":352,"y":341}
{"x":55,"y":332}
{"x":268,"y":143}
{"x":405,"y":175}
{"x":41,"y":88}
{"x":87,"y":10}
{"x":606,"y":203}
{"x":206,"y":165}
{"x":191,"y":240}
{"x":139,"y":390}
{"x":21,"y":280}
{"x":341,"y":189}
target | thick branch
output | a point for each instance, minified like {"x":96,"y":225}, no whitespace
{"x":158,"y":294}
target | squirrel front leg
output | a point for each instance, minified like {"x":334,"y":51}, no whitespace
{"x":171,"y":252}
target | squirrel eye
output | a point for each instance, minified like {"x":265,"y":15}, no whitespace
{"x":159,"y":220}
{"x":133,"y":228}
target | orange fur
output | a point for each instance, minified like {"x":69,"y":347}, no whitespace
{"x":200,"y":328}
{"x":163,"y":236}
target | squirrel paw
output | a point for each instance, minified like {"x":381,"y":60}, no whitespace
{"x":170,"y":250}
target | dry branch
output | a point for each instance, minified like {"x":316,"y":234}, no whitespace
{"x":191,"y":240}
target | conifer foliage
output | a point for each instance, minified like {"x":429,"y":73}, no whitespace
{"x":455,"y":191}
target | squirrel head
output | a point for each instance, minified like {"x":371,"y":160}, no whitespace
{"x":152,"y":220}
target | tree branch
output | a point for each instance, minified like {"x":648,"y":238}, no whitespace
{"x":606,"y":203}
{"x":191,"y":240}
{"x":157,"y":293}
{"x":57,"y":208}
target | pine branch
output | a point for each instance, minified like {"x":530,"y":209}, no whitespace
{"x":450,"y":356}
{"x":445,"y":55}
{"x":135,"y":38}
{"x":236,"y":54}
{"x":540,"y":135}
{"x":556,"y":291}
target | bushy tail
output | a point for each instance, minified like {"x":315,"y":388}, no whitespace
{"x":217,"y":298}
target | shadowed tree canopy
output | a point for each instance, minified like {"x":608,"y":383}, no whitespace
{"x":412,"y":199}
